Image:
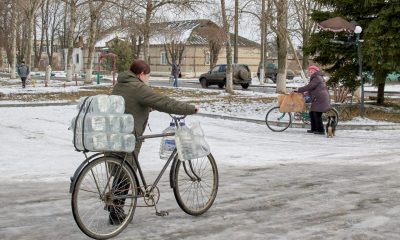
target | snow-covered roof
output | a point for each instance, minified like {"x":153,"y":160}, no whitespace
{"x":177,"y":31}
{"x":103,"y":41}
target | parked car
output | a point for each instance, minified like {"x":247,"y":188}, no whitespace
{"x":217,"y":76}
{"x":271,"y":72}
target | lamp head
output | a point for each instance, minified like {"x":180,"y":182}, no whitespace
{"x":358,"y":30}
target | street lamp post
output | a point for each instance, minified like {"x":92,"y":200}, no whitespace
{"x":358,"y":31}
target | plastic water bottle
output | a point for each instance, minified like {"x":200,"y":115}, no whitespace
{"x":127,"y":123}
{"x":129,"y":142}
{"x":100,"y":104}
{"x":167,"y":145}
{"x":114,"y":123}
{"x":115,"y":142}
{"x":96,"y":141}
{"x":117,"y":104}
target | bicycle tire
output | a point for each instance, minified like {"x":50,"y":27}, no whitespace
{"x":93,"y":197}
{"x":331,"y":112}
{"x":278,"y":121}
{"x":196,"y":184}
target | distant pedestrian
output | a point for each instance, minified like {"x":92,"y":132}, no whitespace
{"x":23,"y":72}
{"x":175,"y":71}
{"x":320,"y":100}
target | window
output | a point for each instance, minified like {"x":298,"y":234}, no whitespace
{"x":207,"y":60}
{"x":77,"y":58}
{"x":215,"y":69}
{"x":163,"y":58}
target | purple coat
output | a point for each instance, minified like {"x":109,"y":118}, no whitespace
{"x":318,"y":91}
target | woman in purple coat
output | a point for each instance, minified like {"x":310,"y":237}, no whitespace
{"x":320,"y":100}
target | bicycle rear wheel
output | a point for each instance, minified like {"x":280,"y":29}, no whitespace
{"x":278,"y":121}
{"x":103,"y":200}
{"x":196,"y":184}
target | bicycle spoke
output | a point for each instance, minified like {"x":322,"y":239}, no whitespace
{"x":92,"y":209}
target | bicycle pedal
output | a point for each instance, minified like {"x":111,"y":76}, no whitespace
{"x":162,"y":213}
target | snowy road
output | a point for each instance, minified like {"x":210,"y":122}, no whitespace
{"x":288,"y":185}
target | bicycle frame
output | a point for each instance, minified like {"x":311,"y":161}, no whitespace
{"x":172,"y":158}
{"x":139,"y":168}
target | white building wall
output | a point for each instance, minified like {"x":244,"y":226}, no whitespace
{"x":77,"y":60}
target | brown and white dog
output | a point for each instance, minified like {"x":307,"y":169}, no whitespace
{"x":331,"y":126}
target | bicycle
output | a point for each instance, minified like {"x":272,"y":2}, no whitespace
{"x":280,"y":121}
{"x":107,"y":181}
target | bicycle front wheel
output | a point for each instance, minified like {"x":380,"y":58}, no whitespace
{"x":196,"y":184}
{"x":103,"y":200}
{"x":278,"y":121}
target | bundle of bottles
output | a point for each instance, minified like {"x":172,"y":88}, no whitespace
{"x":101,"y":125}
{"x":188,"y":140}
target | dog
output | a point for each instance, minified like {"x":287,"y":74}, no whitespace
{"x":331,"y":126}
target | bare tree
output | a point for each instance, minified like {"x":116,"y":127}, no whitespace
{"x":8,"y":18}
{"x":151,"y":7}
{"x":73,"y":8}
{"x":216,"y":39}
{"x":229,"y":82}
{"x":282,"y":35}
{"x":95,"y":9}
{"x":14,"y":40}
{"x":29,"y":8}
{"x":236,"y":34}
{"x":174,"y":51}
{"x":264,"y":16}
{"x":72,"y":4}
{"x":53,"y":16}
{"x":302,"y":17}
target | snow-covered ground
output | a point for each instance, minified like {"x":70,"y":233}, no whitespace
{"x":289,"y":185}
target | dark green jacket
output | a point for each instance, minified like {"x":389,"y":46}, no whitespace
{"x":140,"y":99}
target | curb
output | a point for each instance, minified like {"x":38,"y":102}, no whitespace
{"x":302,"y":125}
{"x":240,"y":119}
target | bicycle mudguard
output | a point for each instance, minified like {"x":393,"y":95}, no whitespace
{"x":172,"y":183}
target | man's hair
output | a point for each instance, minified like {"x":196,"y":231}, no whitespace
{"x":22,"y":61}
{"x":140,"y":66}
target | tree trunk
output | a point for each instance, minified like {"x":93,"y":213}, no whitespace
{"x":282,"y":11}
{"x":90,"y":56}
{"x":262,"y":52}
{"x":228,"y":84}
{"x":28,"y":60}
{"x":71,"y":29}
{"x":235,"y":42}
{"x":146,"y":31}
{"x":90,"y":48}
{"x":14,"y":41}
{"x":380,"y":78}
{"x":380,"y":100}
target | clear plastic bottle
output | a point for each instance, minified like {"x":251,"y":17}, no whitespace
{"x":117,"y":104}
{"x":167,"y":145}
{"x":127,"y":123}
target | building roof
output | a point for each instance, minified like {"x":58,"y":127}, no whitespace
{"x":192,"y":32}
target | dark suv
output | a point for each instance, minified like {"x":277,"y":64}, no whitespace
{"x":217,"y":76}
{"x":271,"y":72}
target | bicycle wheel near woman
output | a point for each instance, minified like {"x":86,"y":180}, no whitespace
{"x":278,"y":121}
{"x":105,"y":186}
